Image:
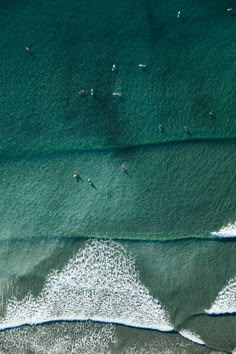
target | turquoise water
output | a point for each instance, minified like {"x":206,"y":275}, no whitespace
{"x":130,"y":263}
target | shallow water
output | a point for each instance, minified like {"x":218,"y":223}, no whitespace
{"x":170,"y":265}
{"x":95,"y":338}
{"x":139,"y":284}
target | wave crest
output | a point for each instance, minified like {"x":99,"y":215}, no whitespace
{"x":227,"y":231}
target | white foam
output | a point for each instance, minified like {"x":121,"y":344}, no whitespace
{"x":99,"y":283}
{"x":191,"y":336}
{"x":63,"y":338}
{"x":226,"y":231}
{"x":226,"y":300}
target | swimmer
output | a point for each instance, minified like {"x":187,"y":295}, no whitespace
{"x":28,"y":49}
{"x":91,"y":92}
{"x":116,"y":94}
{"x":76,"y":176}
{"x":123,"y":167}
{"x":89,"y":181}
{"x":179,"y":14}
{"x":113,"y":67}
{"x":212,"y":114}
{"x":230,"y":9}
{"x":161,"y":128}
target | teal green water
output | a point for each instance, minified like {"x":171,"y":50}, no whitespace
{"x":178,"y":187}
{"x":74,"y":45}
{"x":169,"y":191}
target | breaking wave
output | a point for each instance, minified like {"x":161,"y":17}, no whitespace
{"x":225,"y":302}
{"x":227,"y":231}
{"x":99,"y":283}
{"x":191,"y":336}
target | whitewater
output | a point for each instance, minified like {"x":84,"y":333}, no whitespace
{"x":99,"y":283}
{"x":225,"y":301}
{"x":226,"y":231}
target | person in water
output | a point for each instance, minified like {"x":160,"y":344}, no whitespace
{"x":76,"y":176}
{"x":123,"y":167}
{"x":89,"y":181}
{"x":212,"y":114}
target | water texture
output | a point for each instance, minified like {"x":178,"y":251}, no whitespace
{"x":74,"y":44}
{"x":140,"y":260}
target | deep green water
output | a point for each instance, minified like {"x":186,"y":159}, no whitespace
{"x":74,"y":45}
{"x":178,"y":187}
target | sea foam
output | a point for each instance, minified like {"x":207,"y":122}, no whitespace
{"x":226,"y":231}
{"x":60,"y":338}
{"x":99,"y":283}
{"x":191,"y":336}
{"x":225,"y":301}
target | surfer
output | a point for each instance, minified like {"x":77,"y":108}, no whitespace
{"x":123,"y":167}
{"x":113,"y":67}
{"x":91,"y":92}
{"x":81,"y":92}
{"x":142,"y":65}
{"x":76,"y":176}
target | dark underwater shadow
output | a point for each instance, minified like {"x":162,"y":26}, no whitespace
{"x":79,"y":179}
{"x":127,"y":173}
{"x":93,"y":186}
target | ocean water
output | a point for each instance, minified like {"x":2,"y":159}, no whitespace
{"x":141,"y":261}
{"x":74,"y":44}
